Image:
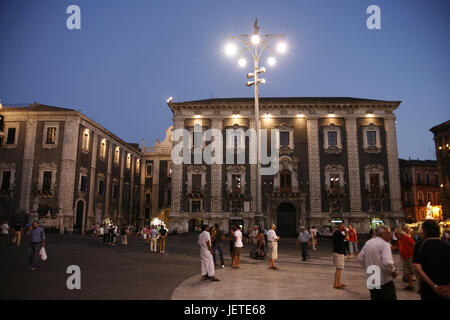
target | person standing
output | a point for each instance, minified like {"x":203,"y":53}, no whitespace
{"x":123,"y":233}
{"x":153,"y":239}
{"x":352,"y":241}
{"x":206,"y":259}
{"x":303,"y":240}
{"x":272,"y":244}
{"x":339,"y":254}
{"x":405,"y":246}
{"x":217,"y":244}
{"x":377,"y":252}
{"x":5,"y":234}
{"x":431,"y":261}
{"x":238,"y":245}
{"x":17,"y":235}
{"x":231,"y":244}
{"x":313,"y":233}
{"x":162,"y":239}
{"x":254,"y":241}
{"x":37,"y":241}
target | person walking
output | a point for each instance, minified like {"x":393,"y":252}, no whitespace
{"x":5,"y":234}
{"x":405,"y":246}
{"x":153,"y":239}
{"x":431,"y":261}
{"x":162,"y":239}
{"x":124,"y":234}
{"x":313,"y":233}
{"x":339,"y":254}
{"x":37,"y":241}
{"x":272,"y":244}
{"x":238,"y":245}
{"x":217,"y":237}
{"x":303,"y":240}
{"x":17,"y":235}
{"x":352,"y":241}
{"x":231,"y":244}
{"x":377,"y":252}
{"x":206,"y":259}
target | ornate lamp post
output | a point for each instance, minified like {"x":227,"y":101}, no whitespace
{"x":256,"y":44}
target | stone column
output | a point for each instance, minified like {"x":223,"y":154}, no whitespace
{"x":68,"y":171}
{"x":216,"y":173}
{"x":27,"y":169}
{"x":108,"y":181}
{"x":122,"y":170}
{"x":393,"y":167}
{"x":354,"y":183}
{"x":312,"y":125}
{"x":92,"y":183}
{"x":133,"y":167}
{"x":143,"y":168}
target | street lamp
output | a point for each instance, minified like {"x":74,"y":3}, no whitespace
{"x":256,"y":44}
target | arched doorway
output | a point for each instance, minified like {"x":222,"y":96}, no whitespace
{"x":286,"y":220}
{"x":79,"y":217}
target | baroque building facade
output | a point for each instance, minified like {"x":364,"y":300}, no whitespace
{"x":442,"y":143}
{"x":338,"y":161}
{"x":57,"y":162}
{"x":420,"y":185}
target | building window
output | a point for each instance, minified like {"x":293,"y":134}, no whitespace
{"x":284,"y":139}
{"x":147,"y":213}
{"x":129,"y":161}
{"x":236,"y":183}
{"x":406,"y":177}
{"x":285,"y":181}
{"x":11,"y":138}
{"x":117,"y":156}
{"x":429,"y":197}
{"x":196,"y":206}
{"x":372,"y":139}
{"x":86,"y":140}
{"x":147,"y":199}
{"x":51,"y":135}
{"x":420,"y":198}
{"x":138,"y":165}
{"x":418,"y":178}
{"x":407,"y":197}
{"x":334,"y":180}
{"x":83,"y":183}
{"x":126,"y":192}
{"x":332,"y":139}
{"x":437,"y":198}
{"x":115,"y":190}
{"x":103,"y":148}
{"x":374,"y":181}
{"x":101,"y":187}
{"x":6,"y":181}
{"x":436,"y":180}
{"x":196,"y":183}
{"x":47,"y":181}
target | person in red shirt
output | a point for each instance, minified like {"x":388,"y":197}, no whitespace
{"x":405,"y":246}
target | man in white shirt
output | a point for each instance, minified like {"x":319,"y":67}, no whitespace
{"x":206,"y":258}
{"x":313,"y":233}
{"x":238,"y":245}
{"x":376,"y":257}
{"x":272,"y":244}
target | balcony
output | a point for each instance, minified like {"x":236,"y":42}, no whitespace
{"x":335,"y":191}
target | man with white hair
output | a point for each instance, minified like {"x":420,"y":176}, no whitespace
{"x":272,"y":244}
{"x":376,"y":257}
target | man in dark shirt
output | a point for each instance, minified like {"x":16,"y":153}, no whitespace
{"x":339,"y":254}
{"x":217,"y":247}
{"x":431,"y":260}
{"x":162,"y":239}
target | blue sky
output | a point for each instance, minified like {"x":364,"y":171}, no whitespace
{"x":130,"y":56}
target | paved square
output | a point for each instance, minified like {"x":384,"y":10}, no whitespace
{"x":131,"y":272}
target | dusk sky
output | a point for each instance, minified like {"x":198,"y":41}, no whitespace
{"x":130,"y":56}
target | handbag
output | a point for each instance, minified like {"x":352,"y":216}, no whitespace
{"x":43,"y":254}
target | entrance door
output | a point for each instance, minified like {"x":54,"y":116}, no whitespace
{"x":286,"y":221}
{"x":79,"y":217}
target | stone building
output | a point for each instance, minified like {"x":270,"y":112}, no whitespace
{"x":58,"y":162}
{"x":338,"y":161}
{"x":420,"y":185}
{"x":442,"y":142}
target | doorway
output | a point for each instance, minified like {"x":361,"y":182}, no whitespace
{"x":286,"y":220}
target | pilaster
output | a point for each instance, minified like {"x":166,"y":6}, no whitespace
{"x":312,"y":125}
{"x":354,"y":182}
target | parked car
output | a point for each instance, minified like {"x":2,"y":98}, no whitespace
{"x":325,"y":232}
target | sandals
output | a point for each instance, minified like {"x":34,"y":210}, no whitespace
{"x":204,"y":278}
{"x":339,"y":287}
{"x":214,"y":279}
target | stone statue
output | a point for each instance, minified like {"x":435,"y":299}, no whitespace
{"x":429,"y":211}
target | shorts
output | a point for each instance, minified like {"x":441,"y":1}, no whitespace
{"x":408,"y":267}
{"x":273,"y":250}
{"x":237,"y":251}
{"x":338,"y":260}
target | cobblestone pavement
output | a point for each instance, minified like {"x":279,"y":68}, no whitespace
{"x":131,"y":272}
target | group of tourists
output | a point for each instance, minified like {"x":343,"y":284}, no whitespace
{"x":428,"y":259}
{"x":17,"y":233}
{"x":154,"y":234}
{"x":109,"y":234}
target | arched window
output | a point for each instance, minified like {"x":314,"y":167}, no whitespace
{"x":285,"y":181}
